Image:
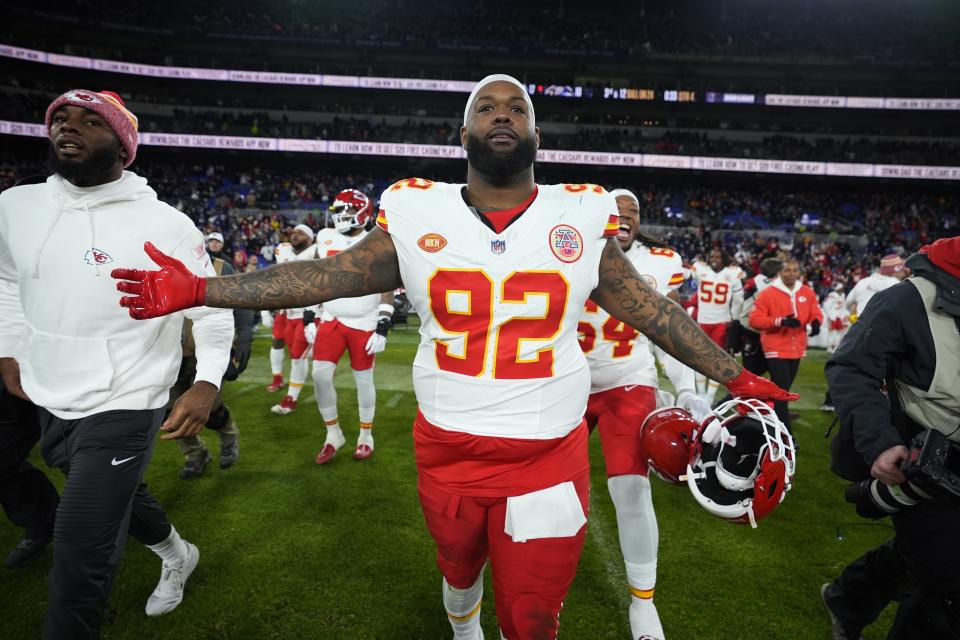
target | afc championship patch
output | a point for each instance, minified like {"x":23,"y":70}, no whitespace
{"x":566,"y":243}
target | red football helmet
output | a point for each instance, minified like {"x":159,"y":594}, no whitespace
{"x":350,"y":210}
{"x":741,"y":462}
{"x":665,"y":438}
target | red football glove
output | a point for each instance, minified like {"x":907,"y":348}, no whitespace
{"x":159,"y":293}
{"x":748,"y":385}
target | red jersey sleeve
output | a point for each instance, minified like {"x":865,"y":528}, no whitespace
{"x":612,"y":227}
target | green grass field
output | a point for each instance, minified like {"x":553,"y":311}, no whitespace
{"x":292,"y":550}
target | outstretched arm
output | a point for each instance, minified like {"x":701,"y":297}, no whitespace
{"x":626,"y":296}
{"x":370,"y":266}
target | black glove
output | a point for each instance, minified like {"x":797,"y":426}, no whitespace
{"x":814,"y":328}
{"x":734,"y":337}
{"x":789,"y":322}
{"x":239,"y":357}
{"x":308,"y":317}
{"x":383,"y":326}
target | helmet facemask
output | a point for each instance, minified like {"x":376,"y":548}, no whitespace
{"x":350,"y":210}
{"x":742,"y":464}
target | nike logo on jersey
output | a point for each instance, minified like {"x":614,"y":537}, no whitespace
{"x":630,"y":386}
{"x":115,"y":462}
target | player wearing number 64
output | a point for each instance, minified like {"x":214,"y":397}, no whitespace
{"x":500,"y":269}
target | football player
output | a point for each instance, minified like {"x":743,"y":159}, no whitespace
{"x":719,"y":296}
{"x":358,"y":325}
{"x":623,"y":387}
{"x":499,"y":270}
{"x":289,"y":325}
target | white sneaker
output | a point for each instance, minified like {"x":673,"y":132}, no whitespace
{"x":169,"y":591}
{"x":644,"y":620}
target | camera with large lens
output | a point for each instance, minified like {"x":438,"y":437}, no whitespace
{"x":932,"y":468}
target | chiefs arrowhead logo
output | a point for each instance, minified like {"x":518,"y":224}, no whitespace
{"x":432,"y":242}
{"x":82,"y":96}
{"x":96,"y":257}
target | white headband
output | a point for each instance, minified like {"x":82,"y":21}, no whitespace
{"x":307,"y":230}
{"x":626,"y":193}
{"x":498,"y":77}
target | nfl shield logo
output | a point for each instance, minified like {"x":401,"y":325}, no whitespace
{"x":498,"y":246}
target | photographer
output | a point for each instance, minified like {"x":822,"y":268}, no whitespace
{"x":909,"y":339}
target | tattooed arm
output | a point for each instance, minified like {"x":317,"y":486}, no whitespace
{"x":370,"y":266}
{"x":625,"y":295}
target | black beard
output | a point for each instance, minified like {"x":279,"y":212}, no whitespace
{"x":94,"y":170}
{"x":500,"y":168}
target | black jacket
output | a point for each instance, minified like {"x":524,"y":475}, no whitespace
{"x":890,"y":341}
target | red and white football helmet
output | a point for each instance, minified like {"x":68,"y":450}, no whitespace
{"x":741,"y":462}
{"x":666,"y":437}
{"x":351,"y":209}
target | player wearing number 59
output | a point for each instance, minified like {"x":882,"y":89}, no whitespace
{"x":499,"y":269}
{"x":719,"y":298}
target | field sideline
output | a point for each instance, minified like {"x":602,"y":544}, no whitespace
{"x":292,"y":550}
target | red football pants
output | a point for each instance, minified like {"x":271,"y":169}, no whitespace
{"x":717,"y":333}
{"x":290,"y":330}
{"x":279,"y":326}
{"x":530,"y":579}
{"x":618,"y":414}
{"x":334,"y":337}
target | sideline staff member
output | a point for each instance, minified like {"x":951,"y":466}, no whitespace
{"x":100,"y":379}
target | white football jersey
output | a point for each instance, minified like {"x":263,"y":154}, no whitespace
{"x":284,"y":253}
{"x":716,"y":292}
{"x":357,"y":313}
{"x":617,"y":353}
{"x":498,"y":354}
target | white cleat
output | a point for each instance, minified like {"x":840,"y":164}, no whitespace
{"x":644,"y":621}
{"x":169,"y":591}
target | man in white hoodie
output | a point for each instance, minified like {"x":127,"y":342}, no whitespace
{"x":100,"y":379}
{"x":892,"y":271}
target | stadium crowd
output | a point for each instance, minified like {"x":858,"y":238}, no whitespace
{"x":837,"y":237}
{"x":652,"y":28}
